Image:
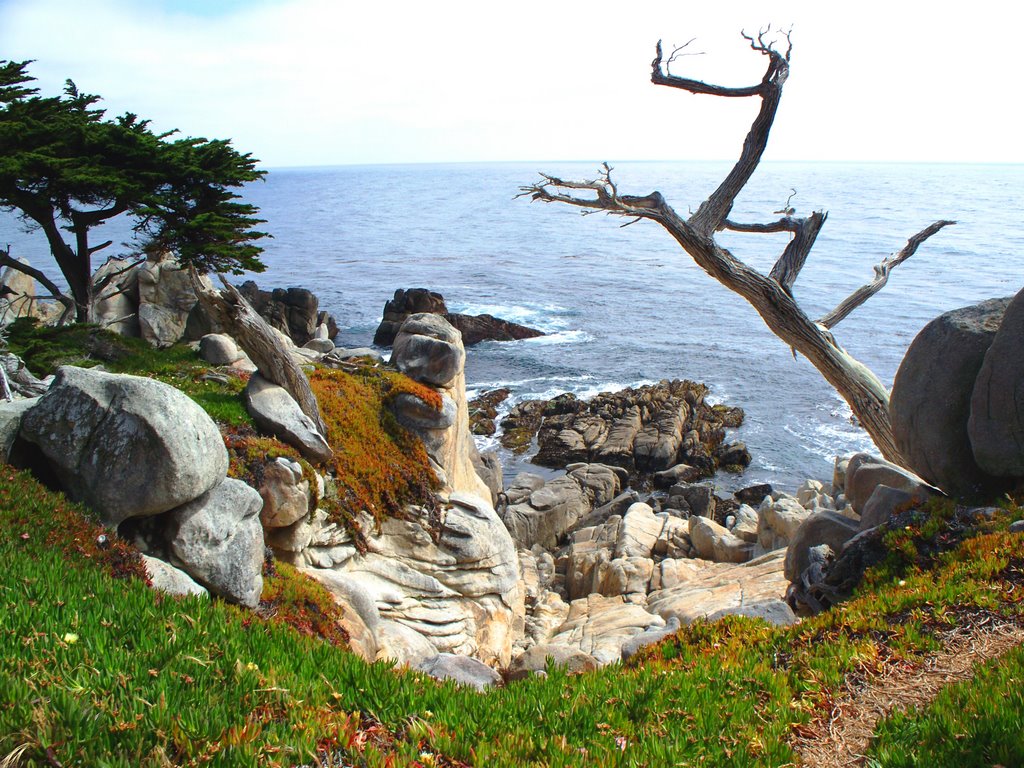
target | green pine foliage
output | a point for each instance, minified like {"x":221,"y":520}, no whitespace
{"x":65,"y":166}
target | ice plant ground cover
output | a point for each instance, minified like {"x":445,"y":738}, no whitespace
{"x":97,"y":669}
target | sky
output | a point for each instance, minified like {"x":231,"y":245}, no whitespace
{"x":315,"y":82}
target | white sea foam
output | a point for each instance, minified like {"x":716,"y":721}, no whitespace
{"x":543,"y":317}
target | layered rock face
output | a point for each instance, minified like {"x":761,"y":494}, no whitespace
{"x":443,"y":580}
{"x":958,"y":396}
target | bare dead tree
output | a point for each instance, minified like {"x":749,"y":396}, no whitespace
{"x":770,"y":295}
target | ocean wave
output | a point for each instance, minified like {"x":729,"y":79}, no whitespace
{"x":560,"y":337}
{"x":543,"y":317}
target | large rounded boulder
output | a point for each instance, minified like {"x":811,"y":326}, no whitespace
{"x":996,"y":424}
{"x":125,"y":445}
{"x":931,"y":397}
{"x":428,"y":349}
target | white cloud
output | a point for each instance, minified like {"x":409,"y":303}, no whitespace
{"x":304,"y":82}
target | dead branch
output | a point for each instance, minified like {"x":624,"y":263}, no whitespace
{"x":108,"y":278}
{"x":882,"y":270}
{"x":69,"y":305}
{"x":715,"y":209}
{"x":255,"y":336}
{"x":787,"y":268}
{"x":108,"y":323}
{"x":5,"y":386}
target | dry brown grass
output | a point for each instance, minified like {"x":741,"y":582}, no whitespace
{"x":843,"y":739}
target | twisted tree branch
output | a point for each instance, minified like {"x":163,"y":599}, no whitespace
{"x":882,"y":270}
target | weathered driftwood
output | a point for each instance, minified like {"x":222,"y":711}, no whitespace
{"x":229,"y":309}
{"x":16,"y":379}
{"x":770,"y":295}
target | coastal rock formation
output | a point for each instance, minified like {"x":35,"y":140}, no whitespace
{"x":429,"y":350}
{"x":646,"y":430}
{"x":117,"y":308}
{"x":128,"y":446}
{"x":291,"y":310}
{"x":458,"y":586}
{"x":483,"y":410}
{"x":474,"y":328}
{"x":540,"y":513}
{"x":445,"y":578}
{"x":218,"y":541}
{"x":166,"y":298}
{"x":996,"y":423}
{"x":931,"y":398}
{"x":712,"y":590}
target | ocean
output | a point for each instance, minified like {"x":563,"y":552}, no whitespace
{"x":624,"y":306}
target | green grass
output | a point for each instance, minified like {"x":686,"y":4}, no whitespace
{"x":154,"y":681}
{"x":973,"y":724}
{"x":45,"y":348}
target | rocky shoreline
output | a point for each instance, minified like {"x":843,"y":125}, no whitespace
{"x":629,"y":544}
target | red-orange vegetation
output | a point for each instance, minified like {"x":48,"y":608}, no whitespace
{"x":301,"y":603}
{"x":379,"y":466}
{"x":48,"y":521}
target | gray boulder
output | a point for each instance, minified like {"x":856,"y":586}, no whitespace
{"x":931,"y":398}
{"x":428,"y":349}
{"x":680,"y":473}
{"x":275,"y":412}
{"x":648,"y":637}
{"x":828,"y":528}
{"x":219,"y":349}
{"x":864,"y":473}
{"x":10,"y":422}
{"x":884,"y":502}
{"x":996,"y":422}
{"x":217,"y":539}
{"x":166,"y":578}
{"x":463,"y":670}
{"x":555,"y":508}
{"x":713,"y":542}
{"x":127,"y":446}
{"x":414,"y":413}
{"x":536,"y":659}
{"x":285,"y":493}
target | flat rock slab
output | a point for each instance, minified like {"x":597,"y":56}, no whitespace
{"x":756,"y":588}
{"x":600,"y":626}
{"x":463,"y":670}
